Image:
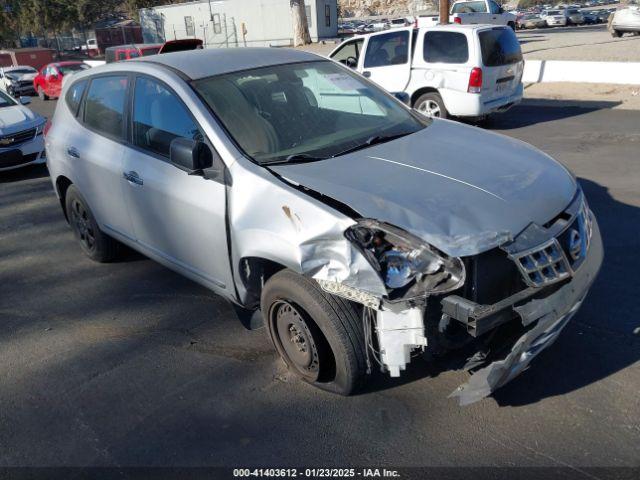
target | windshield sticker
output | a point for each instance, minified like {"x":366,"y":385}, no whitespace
{"x":343,"y":82}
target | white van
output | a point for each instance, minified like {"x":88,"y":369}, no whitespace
{"x":447,"y":70}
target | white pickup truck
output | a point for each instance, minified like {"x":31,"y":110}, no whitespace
{"x":445,"y":70}
{"x":476,"y":12}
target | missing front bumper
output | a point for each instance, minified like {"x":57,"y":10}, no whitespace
{"x":548,"y":316}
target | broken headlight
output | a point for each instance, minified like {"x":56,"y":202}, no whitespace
{"x":408,"y":266}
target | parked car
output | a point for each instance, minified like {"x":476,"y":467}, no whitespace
{"x":17,"y":81}
{"x":453,"y":70}
{"x":127,"y":52}
{"x":574,"y":16}
{"x":531,"y":21}
{"x":591,"y":17}
{"x":625,"y":20}
{"x":21,"y":140}
{"x":325,"y":208}
{"x":48,"y":82}
{"x":554,"y":18}
{"x":472,"y":13}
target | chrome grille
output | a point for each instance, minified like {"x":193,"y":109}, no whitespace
{"x":17,"y":138}
{"x":544,"y":264}
{"x":557,"y":258}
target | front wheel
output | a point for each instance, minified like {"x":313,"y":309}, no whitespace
{"x":94,"y":243}
{"x":431,"y":105}
{"x":318,"y":335}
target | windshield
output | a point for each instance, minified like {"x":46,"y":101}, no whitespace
{"x":304,"y":111}
{"x":6,"y":100}
{"x":554,"y":12}
{"x":74,"y":67}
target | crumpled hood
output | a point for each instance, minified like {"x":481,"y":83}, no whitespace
{"x":17,"y":118}
{"x":24,"y":76}
{"x":462,"y":189}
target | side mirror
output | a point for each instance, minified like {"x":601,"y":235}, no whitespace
{"x":25,"y":100}
{"x":403,"y":97}
{"x":190,"y":155}
{"x":351,"y":62}
{"x":500,"y":10}
{"x":196,"y":158}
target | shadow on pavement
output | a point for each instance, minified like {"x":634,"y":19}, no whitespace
{"x":534,"y":111}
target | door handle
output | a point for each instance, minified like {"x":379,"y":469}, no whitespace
{"x":73,"y":152}
{"x":133,"y":177}
{"x":366,"y":74}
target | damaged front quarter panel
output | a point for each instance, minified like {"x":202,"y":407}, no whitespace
{"x":278,"y":223}
{"x":548,"y":316}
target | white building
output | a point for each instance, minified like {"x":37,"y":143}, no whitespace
{"x":236,"y":23}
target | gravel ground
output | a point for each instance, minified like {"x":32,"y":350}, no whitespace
{"x":600,"y":95}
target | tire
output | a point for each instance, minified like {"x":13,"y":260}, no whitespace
{"x":512,"y":25}
{"x":431,"y":105}
{"x":318,"y":335}
{"x":43,"y":96}
{"x":616,"y":33}
{"x":94,"y":243}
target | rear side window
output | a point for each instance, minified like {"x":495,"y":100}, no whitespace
{"x":387,"y":49}
{"x":74,"y":95}
{"x":499,"y":46}
{"x":469,"y":7}
{"x":104,"y":105}
{"x":445,"y":47}
{"x":159,"y":117}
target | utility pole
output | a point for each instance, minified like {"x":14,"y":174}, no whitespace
{"x":444,"y":12}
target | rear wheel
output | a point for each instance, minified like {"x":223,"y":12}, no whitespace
{"x":43,"y":96}
{"x":318,"y":335}
{"x":616,"y":33}
{"x":512,"y":25}
{"x":431,"y":105}
{"x":94,"y":243}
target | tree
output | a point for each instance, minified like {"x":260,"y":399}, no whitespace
{"x":301,"y":34}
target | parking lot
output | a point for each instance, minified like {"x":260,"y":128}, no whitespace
{"x":128,"y":364}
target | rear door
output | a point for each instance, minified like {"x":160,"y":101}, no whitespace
{"x":502,"y":63}
{"x":96,"y":150}
{"x":446,"y":58}
{"x":387,"y":59}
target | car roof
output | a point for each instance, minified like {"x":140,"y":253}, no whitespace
{"x":203,"y":63}
{"x":16,"y":67}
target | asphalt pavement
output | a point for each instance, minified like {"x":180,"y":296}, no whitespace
{"x":129,"y":364}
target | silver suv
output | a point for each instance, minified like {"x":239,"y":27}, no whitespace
{"x":358,"y":231}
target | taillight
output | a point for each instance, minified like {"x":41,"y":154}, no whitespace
{"x":46,"y":128}
{"x":475,"y":81}
{"x":457,"y":20}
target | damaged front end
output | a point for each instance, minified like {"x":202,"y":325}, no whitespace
{"x":510,"y":302}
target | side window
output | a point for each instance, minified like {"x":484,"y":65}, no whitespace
{"x":387,"y":49}
{"x":121,"y":55}
{"x":349,"y":53}
{"x":74,"y":95}
{"x":104,"y":105}
{"x":445,"y":47}
{"x":159,"y":117}
{"x":494,"y":7}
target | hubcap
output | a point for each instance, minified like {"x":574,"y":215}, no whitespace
{"x":296,"y":339}
{"x":430,"y":108}
{"x":83,"y":227}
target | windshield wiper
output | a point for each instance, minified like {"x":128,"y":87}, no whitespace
{"x":295,"y":158}
{"x":373,"y":141}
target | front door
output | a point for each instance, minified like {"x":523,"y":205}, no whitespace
{"x":387,"y":59}
{"x":177,"y":217}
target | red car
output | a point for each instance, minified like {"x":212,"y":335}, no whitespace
{"x":48,"y":81}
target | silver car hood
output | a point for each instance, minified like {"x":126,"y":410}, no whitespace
{"x":17,"y":118}
{"x":459,"y":188}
